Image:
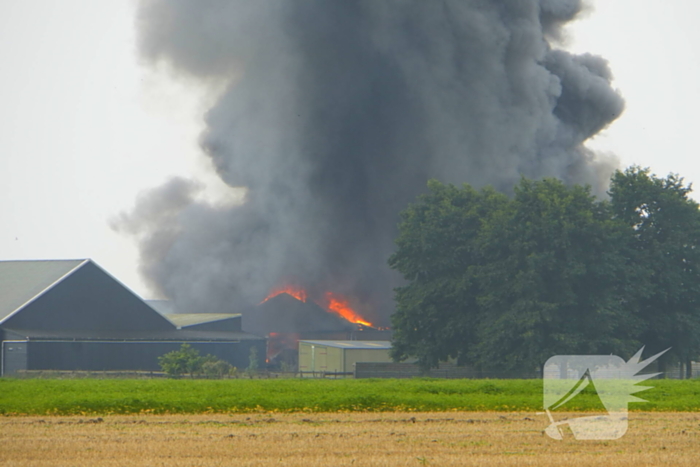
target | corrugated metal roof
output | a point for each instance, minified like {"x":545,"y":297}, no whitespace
{"x":190,"y":319}
{"x":353,"y":344}
{"x":22,"y":281}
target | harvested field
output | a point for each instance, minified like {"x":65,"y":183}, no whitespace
{"x":336,"y":439}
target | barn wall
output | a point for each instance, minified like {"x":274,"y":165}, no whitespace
{"x":334,"y":360}
{"x":317,"y":358}
{"x":13,"y":357}
{"x":353,"y":356}
{"x":304,"y":357}
{"x":112,"y":355}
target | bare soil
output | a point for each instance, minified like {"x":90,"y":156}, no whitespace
{"x":337,"y":439}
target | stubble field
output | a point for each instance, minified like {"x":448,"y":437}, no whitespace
{"x":326,"y":423}
{"x":336,"y":439}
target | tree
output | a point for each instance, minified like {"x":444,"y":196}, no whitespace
{"x":665,"y":224}
{"x":503,"y":284}
{"x":253,"y":363}
{"x":553,"y":280}
{"x":438,"y":254}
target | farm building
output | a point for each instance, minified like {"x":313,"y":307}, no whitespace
{"x":198,"y":321}
{"x":339,"y":357}
{"x":285,"y":320}
{"x":72,"y":315}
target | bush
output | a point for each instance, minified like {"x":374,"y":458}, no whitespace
{"x":215,"y":368}
{"x":188,"y":361}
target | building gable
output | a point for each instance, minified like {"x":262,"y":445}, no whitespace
{"x":87,"y":299}
{"x":22,"y":281}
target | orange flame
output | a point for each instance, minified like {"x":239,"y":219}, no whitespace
{"x":340,"y":306}
{"x":335,"y":303}
{"x":296,"y":292}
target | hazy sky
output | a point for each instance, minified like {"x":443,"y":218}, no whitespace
{"x":84,"y":128}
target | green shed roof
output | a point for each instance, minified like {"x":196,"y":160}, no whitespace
{"x":190,"y":319}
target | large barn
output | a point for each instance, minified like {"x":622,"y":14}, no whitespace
{"x":72,"y":315}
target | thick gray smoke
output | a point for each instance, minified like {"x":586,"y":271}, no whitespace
{"x":335,"y":114}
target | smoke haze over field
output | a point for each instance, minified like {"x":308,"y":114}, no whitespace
{"x":335,"y":113}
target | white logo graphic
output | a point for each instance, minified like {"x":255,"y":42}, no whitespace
{"x":609,"y":376}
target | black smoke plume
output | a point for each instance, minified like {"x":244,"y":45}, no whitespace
{"x":333,"y":116}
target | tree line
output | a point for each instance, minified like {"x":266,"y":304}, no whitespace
{"x":505,"y":282}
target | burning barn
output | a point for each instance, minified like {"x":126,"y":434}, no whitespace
{"x":290,"y":314}
{"x":72,"y":315}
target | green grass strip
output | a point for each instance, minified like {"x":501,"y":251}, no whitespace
{"x":103,"y":396}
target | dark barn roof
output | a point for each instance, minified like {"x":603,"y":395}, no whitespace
{"x":76,"y":299}
{"x":23,"y":281}
{"x":71,"y":295}
{"x":285,"y":314}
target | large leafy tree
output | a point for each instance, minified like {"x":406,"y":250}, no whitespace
{"x":665,"y":224}
{"x":554,"y":279}
{"x":504,"y":283}
{"x":439,"y":255}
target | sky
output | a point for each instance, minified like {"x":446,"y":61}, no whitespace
{"x":85,"y":127}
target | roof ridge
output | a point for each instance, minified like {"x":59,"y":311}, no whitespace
{"x":42,"y":260}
